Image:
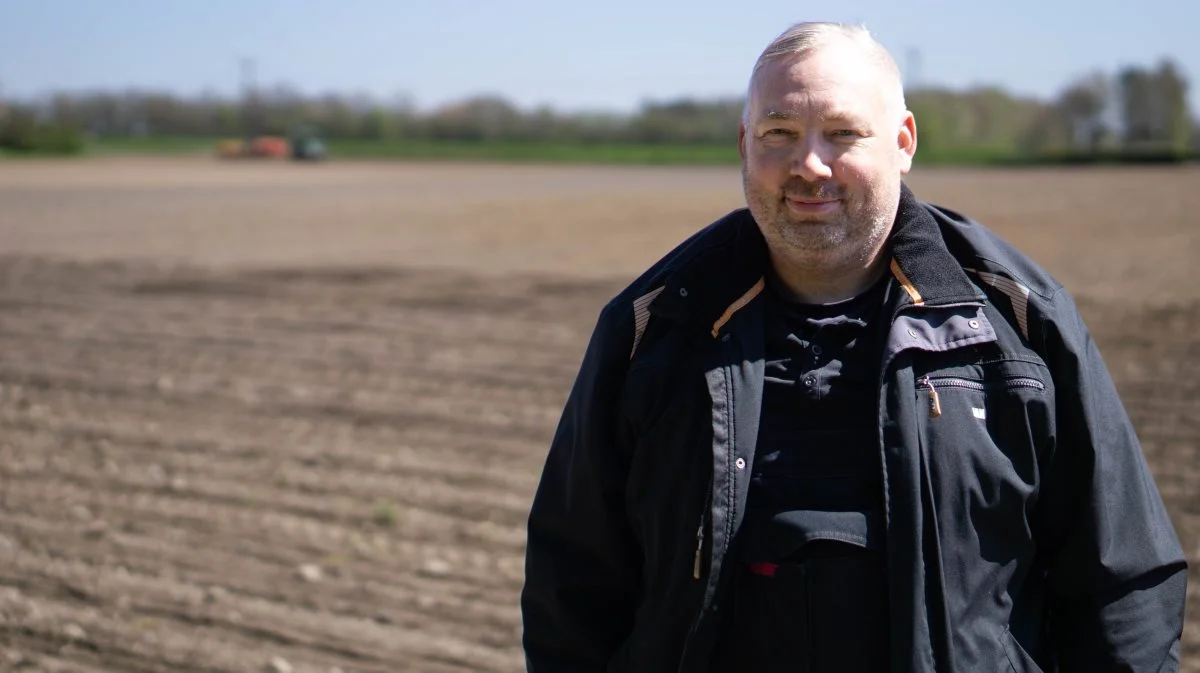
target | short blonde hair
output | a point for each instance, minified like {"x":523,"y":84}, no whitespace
{"x":805,"y":37}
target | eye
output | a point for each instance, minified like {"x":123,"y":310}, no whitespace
{"x":847,"y":133}
{"x":778,"y":132}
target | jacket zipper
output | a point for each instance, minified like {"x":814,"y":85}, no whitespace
{"x":700,"y":533}
{"x":935,"y":402}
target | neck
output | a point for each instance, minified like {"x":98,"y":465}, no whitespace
{"x":822,"y":285}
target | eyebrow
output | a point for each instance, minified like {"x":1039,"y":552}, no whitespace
{"x":831,"y":115}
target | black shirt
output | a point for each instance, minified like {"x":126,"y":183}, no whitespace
{"x":818,"y":445}
{"x":810,"y":593}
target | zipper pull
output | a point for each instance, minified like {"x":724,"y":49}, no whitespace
{"x":935,"y":403}
{"x":699,"y":549}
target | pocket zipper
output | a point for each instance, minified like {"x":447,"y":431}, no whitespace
{"x":935,"y":402}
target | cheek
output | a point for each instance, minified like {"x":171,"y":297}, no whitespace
{"x":770,"y":158}
{"x":855,"y":174}
{"x":765,"y":172}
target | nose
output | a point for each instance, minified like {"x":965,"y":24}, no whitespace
{"x":812,"y":160}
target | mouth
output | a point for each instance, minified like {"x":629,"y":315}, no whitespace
{"x":811,"y":206}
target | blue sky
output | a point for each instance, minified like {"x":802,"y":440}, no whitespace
{"x":596,"y":55}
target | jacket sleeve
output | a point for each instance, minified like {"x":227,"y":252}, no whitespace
{"x":582,"y":565}
{"x":1115,"y":569}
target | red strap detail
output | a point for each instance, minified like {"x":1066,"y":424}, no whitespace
{"x":764,"y":569}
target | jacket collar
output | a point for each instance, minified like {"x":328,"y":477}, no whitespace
{"x":725,"y":268}
{"x":921,"y":261}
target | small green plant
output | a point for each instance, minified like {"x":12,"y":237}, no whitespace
{"x":386,"y":514}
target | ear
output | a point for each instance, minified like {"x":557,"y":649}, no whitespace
{"x":907,"y":141}
{"x":742,"y":139}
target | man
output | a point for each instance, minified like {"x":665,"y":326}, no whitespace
{"x":846,"y":430}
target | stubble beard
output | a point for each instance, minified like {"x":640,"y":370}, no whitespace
{"x":850,"y":238}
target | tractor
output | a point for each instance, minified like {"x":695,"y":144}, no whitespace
{"x":306,"y":144}
{"x":303,"y":144}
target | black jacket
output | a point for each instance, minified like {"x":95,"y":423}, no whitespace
{"x":1024,"y":531}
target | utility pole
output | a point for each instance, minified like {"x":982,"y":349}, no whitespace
{"x":914,"y":75}
{"x":249,"y":98}
{"x":5,"y":114}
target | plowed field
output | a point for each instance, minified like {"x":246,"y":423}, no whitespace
{"x":273,"y":417}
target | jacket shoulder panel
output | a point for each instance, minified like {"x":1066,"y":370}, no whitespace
{"x":635,"y":299}
{"x":1008,"y":276}
{"x":976,"y":246}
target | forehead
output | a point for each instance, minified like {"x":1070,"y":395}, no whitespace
{"x":835,"y":81}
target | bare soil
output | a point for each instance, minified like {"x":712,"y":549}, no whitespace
{"x":270,"y":417}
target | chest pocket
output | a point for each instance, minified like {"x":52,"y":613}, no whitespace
{"x":985,"y":431}
{"x":989,"y":411}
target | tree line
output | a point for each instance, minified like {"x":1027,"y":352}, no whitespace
{"x":1137,"y":111}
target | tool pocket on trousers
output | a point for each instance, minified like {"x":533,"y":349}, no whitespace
{"x":812,"y":595}
{"x":771,"y":618}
